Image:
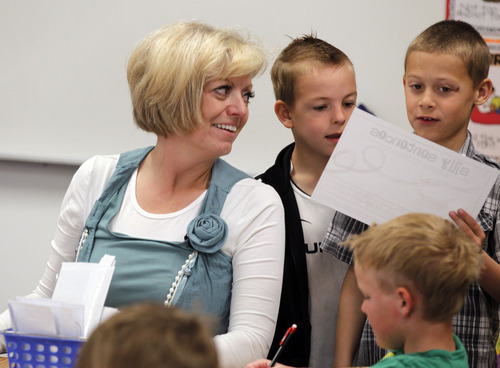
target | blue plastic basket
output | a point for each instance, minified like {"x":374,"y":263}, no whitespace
{"x":30,"y":351}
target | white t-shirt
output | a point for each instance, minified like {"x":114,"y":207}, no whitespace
{"x":325,"y":274}
{"x":132,"y":220}
{"x":256,"y":240}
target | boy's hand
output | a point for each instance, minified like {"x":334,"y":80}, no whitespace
{"x":264,"y":363}
{"x":469,"y":226}
{"x":490,"y":276}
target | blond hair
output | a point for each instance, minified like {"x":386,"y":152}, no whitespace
{"x":169,"y":69}
{"x":150,"y":335}
{"x":424,"y":253}
{"x":297,"y":59}
{"x":456,"y":38}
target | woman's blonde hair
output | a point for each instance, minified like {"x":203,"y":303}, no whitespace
{"x":169,"y":69}
{"x":424,"y":253}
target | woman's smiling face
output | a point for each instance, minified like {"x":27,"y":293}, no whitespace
{"x":224,"y":108}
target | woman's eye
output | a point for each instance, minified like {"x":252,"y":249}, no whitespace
{"x":248,"y":95}
{"x":222,"y":90}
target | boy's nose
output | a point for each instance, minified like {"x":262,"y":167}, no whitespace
{"x":363,"y":307}
{"x":339,"y":116}
{"x":427,"y":100}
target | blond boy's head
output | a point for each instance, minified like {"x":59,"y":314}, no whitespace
{"x":459,"y":39}
{"x":424,"y":253}
{"x":150,"y":335}
{"x":298,"y":58}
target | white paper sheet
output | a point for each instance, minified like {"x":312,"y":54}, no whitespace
{"x":77,"y":303}
{"x":32,"y":318}
{"x":46,"y":317}
{"x":86,"y":284}
{"x":379,"y":171}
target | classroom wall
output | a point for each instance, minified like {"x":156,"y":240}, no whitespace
{"x":64,"y":96}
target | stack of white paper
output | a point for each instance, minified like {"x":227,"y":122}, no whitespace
{"x":76,"y":306}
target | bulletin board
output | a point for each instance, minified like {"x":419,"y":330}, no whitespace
{"x":484,"y":15}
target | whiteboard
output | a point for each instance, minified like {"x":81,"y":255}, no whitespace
{"x":63,"y":90}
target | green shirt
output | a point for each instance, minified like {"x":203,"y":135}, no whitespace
{"x":429,"y":359}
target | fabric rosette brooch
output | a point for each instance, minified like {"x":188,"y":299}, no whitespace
{"x":207,"y":233}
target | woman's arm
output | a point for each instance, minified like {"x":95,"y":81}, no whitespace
{"x":258,"y":217}
{"x":77,"y":202}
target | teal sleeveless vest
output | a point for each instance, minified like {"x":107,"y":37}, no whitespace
{"x":192,"y":274}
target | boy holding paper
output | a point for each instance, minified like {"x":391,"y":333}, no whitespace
{"x":446,"y":70}
{"x":315,"y":89}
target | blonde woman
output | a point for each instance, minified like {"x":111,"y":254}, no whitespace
{"x":186,"y":228}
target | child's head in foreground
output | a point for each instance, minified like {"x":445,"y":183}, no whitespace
{"x":446,"y":75}
{"x":150,"y":336}
{"x":413,"y":266}
{"x":315,"y":89}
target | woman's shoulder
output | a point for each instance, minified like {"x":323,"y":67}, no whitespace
{"x":99,"y":167}
{"x":102,"y":162}
{"x":254,"y":191}
{"x":93,"y":175}
{"x":255,"y":185}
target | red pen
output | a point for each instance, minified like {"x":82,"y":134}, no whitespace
{"x":283,"y":342}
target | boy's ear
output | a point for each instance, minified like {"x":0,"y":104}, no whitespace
{"x":406,"y":301}
{"x":484,"y":91}
{"x":282,"y":111}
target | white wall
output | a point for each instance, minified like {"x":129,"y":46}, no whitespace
{"x":99,"y":34}
{"x":30,"y":196}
